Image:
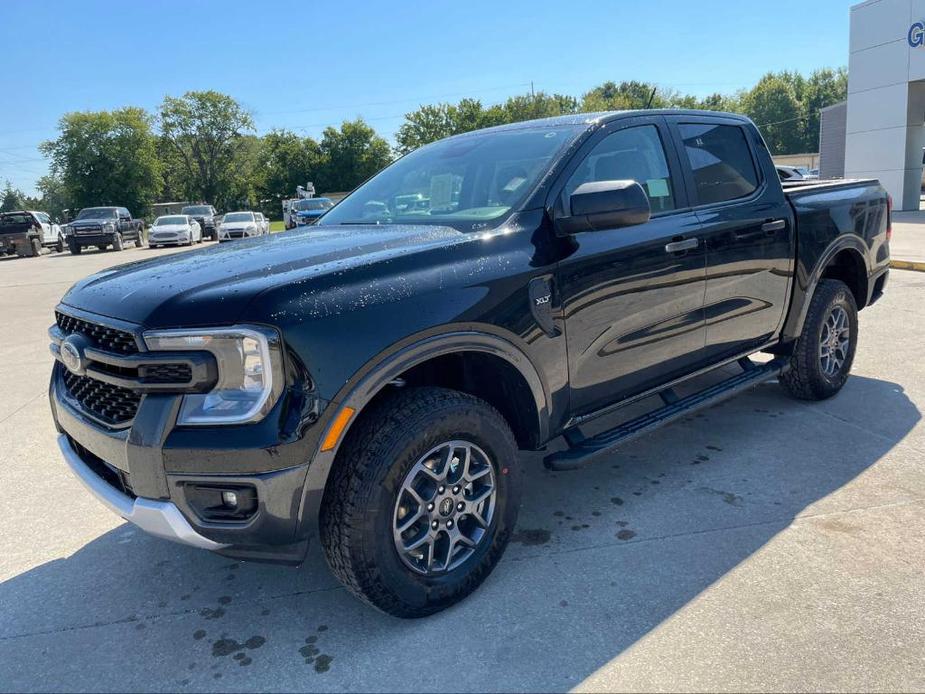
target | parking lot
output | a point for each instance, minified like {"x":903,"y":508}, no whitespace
{"x":762,"y":544}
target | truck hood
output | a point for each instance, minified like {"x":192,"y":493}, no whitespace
{"x":214,"y":285}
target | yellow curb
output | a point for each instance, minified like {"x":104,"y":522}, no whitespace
{"x":908,"y":265}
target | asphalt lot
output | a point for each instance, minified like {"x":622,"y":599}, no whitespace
{"x":764,"y":544}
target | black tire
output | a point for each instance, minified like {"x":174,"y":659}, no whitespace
{"x":140,"y":240}
{"x":357,"y":511}
{"x":74,"y":248}
{"x":806,"y":378}
{"x":60,"y":245}
{"x":117,"y":243}
{"x":36,"y":247}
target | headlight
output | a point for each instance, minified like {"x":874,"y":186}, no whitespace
{"x":252,"y":227}
{"x":250,"y":375}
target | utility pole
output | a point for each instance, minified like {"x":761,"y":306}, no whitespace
{"x":532,"y":94}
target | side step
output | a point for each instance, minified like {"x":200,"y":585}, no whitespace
{"x":583,"y":450}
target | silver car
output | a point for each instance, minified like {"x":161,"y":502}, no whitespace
{"x":241,"y":225}
{"x":174,"y":230}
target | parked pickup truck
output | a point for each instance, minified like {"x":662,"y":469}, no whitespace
{"x":205,"y":215}
{"x":104,"y":227}
{"x":26,"y":232}
{"x":370,"y":380}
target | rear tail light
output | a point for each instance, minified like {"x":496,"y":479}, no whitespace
{"x":889,"y":217}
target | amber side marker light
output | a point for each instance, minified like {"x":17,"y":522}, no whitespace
{"x":337,"y":428}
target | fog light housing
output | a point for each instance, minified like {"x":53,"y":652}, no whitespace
{"x":222,"y":503}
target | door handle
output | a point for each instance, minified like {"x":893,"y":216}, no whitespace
{"x":773,"y":225}
{"x":681,"y":246}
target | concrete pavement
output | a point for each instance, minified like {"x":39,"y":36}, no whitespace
{"x":908,"y":243}
{"x":764,"y":544}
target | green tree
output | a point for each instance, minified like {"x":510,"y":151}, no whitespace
{"x":284,"y":161}
{"x":53,"y":196}
{"x":350,"y":155}
{"x":106,"y":158}
{"x":822,"y":88}
{"x":238,"y":187}
{"x":611,"y":96}
{"x":773,"y":106}
{"x":430,"y":123}
{"x":13,"y":199}
{"x":203,"y":129}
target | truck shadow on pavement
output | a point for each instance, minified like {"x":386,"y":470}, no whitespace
{"x":601,"y":558}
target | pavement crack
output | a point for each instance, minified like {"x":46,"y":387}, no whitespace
{"x":23,"y":406}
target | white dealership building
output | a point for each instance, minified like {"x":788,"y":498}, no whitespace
{"x":884,"y":127}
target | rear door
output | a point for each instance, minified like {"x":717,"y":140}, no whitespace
{"x":125,"y":225}
{"x":633,"y":306}
{"x":747,"y":229}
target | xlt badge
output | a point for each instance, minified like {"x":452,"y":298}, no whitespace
{"x":540,"y":291}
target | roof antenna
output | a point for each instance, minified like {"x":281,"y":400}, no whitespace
{"x":651,"y":96}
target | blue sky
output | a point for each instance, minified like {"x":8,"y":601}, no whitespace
{"x":305,"y":65}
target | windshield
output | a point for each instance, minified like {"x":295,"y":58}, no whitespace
{"x":316,"y":204}
{"x":239,"y":217}
{"x":97,"y":213}
{"x":165,"y":221}
{"x":197,"y":209}
{"x":467,"y":182}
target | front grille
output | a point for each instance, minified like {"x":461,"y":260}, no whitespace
{"x":166,"y":373}
{"x":109,"y":339}
{"x":109,"y":403}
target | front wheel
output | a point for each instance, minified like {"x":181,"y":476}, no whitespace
{"x":422,"y":501}
{"x":117,"y":243}
{"x":824,"y":352}
{"x":74,"y":247}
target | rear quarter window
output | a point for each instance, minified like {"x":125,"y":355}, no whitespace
{"x":721,"y":161}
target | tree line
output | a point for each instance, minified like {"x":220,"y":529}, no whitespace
{"x":203,"y":145}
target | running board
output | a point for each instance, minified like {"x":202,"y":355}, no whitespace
{"x":582,"y":450}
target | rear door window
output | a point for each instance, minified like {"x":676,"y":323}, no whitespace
{"x":721,"y":161}
{"x":634,"y":154}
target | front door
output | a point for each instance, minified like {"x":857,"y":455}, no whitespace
{"x":747,"y":229}
{"x":632,"y":297}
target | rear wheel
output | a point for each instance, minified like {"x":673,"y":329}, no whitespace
{"x":822,"y":357}
{"x":422,"y":501}
{"x":35,"y":246}
{"x":60,"y":245}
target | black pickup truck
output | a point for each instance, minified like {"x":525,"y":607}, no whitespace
{"x":370,"y":381}
{"x":206,"y":216}
{"x":104,"y":227}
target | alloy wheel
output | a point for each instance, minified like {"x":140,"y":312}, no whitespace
{"x":834,"y":341}
{"x":444,"y":507}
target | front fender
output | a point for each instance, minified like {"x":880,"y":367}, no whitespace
{"x":380,"y":371}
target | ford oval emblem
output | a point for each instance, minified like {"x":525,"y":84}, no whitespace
{"x":72,"y":355}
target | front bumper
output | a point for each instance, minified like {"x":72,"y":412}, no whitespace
{"x":152,"y":472}
{"x":91,"y":239}
{"x":164,"y":239}
{"x":160,"y":518}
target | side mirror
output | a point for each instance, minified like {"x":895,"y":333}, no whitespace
{"x":600,"y":205}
